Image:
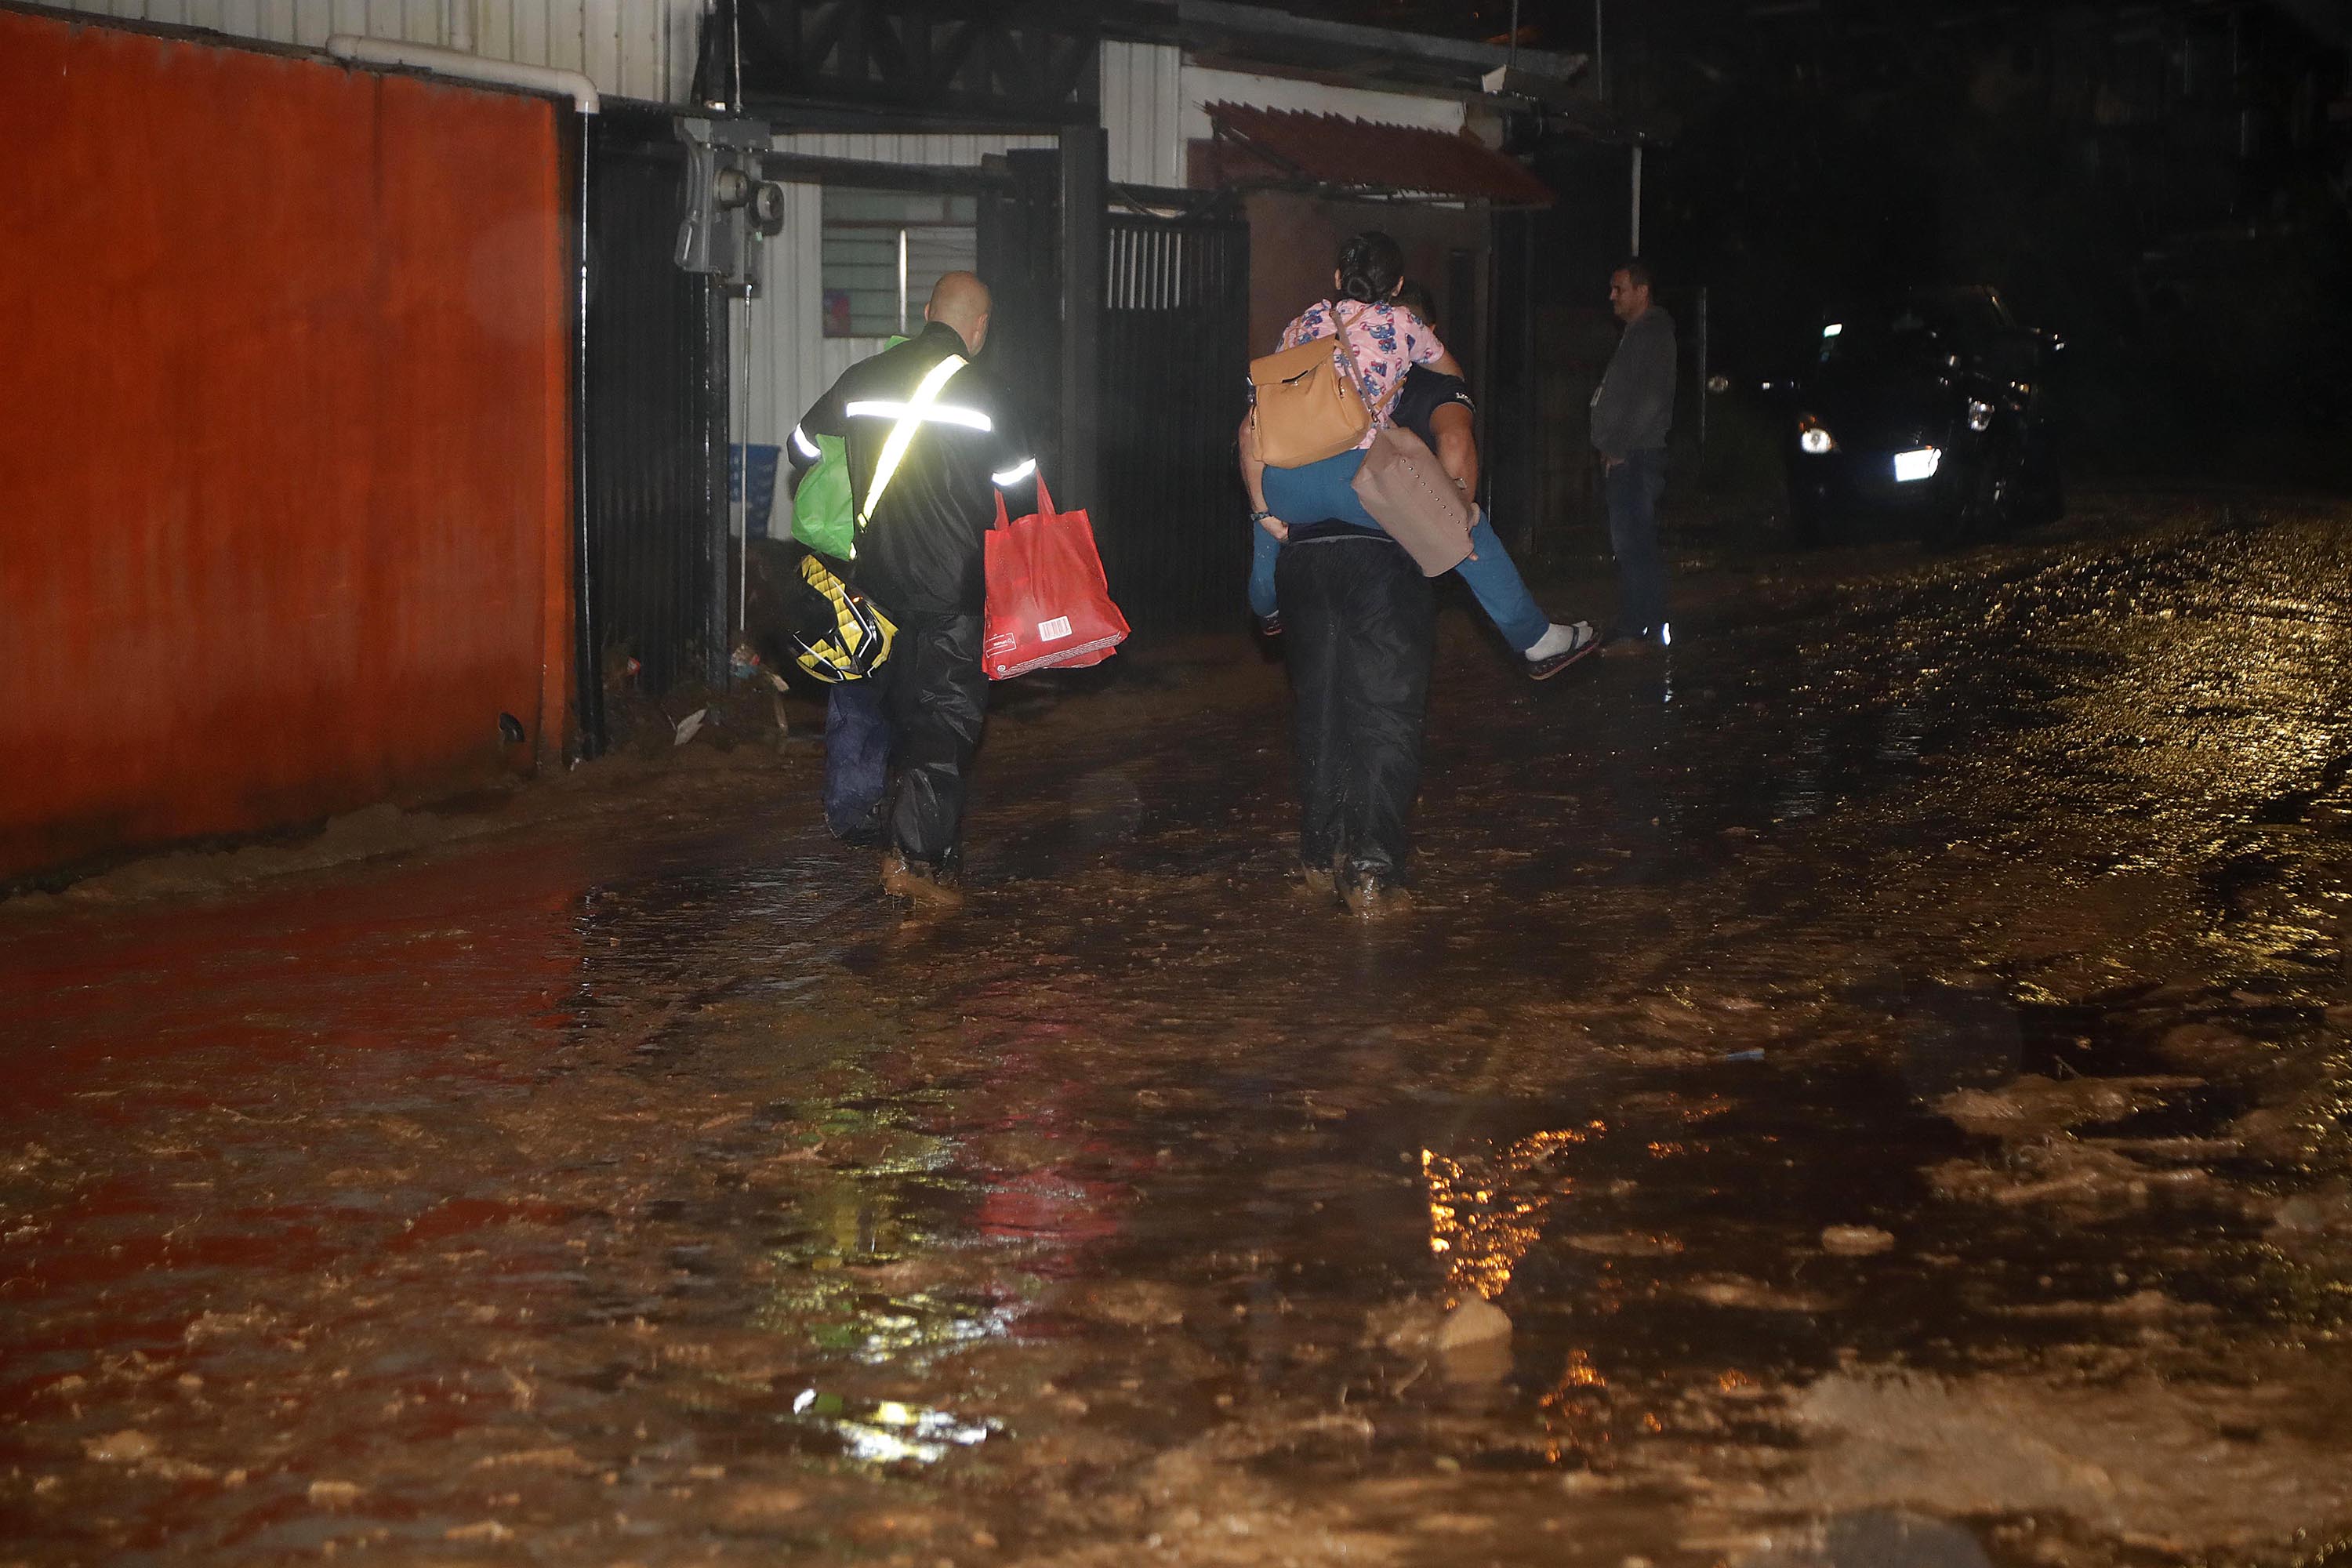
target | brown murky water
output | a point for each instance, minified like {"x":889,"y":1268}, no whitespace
{"x":1887,"y":1064}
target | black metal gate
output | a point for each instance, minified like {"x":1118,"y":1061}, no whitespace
{"x":1172,"y":524}
{"x":1020,"y":260}
{"x":655,"y":420}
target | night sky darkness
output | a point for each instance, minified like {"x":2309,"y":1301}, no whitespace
{"x":2165,"y":183}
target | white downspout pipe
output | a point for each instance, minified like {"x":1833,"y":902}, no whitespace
{"x":356,"y":51}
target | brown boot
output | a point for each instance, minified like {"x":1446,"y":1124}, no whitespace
{"x":912,"y":879}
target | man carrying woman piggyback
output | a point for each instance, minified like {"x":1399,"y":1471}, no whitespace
{"x":1359,"y":613}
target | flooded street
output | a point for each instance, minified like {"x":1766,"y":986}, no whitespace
{"x":1884,"y":1062}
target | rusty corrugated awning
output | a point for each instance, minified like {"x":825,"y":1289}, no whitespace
{"x":1367,"y":155}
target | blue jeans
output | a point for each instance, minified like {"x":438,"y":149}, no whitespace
{"x":1633,"y":489}
{"x":1312,"y":492}
{"x":1502,"y":593}
{"x":1493,"y":577}
{"x":856,"y":759}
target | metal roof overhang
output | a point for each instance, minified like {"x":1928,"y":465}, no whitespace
{"x":1364,"y":160}
{"x":1245,"y":37}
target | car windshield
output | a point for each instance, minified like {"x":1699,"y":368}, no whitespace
{"x":1921,"y":329}
{"x":1900,"y":337}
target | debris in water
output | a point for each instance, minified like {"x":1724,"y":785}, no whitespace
{"x":2033,"y":1106}
{"x":1855,"y":1240}
{"x":1476,"y":1322}
{"x":123,"y":1447}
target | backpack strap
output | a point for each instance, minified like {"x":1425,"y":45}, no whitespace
{"x":902,"y":433}
{"x":1383,"y":413}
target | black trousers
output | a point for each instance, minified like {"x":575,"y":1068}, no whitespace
{"x":938,"y":697}
{"x":1359,"y":619}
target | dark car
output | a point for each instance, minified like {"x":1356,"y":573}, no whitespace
{"x":1926,"y":413}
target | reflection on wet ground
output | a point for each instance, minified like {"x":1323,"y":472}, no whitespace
{"x":1885,"y":1069}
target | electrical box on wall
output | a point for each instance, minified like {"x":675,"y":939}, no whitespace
{"x":730,"y":209}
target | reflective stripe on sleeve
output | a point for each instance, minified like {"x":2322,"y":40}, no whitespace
{"x":804,"y":446}
{"x":1015,"y":474}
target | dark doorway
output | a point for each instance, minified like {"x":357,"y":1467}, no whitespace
{"x":1174,"y":369}
{"x":656,"y":422}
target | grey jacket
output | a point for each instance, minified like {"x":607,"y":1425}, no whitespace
{"x":1635,"y":402}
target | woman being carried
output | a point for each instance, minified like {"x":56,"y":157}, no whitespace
{"x":1389,"y":343}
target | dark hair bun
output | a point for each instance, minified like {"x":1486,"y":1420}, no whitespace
{"x":1370,"y":264}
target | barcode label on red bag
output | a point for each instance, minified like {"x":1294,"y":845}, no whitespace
{"x":1059,"y":626}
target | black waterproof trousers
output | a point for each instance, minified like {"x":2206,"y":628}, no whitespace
{"x":1358,"y":618}
{"x":938,"y":702}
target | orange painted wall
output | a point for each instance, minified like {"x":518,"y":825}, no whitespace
{"x":283,"y":452}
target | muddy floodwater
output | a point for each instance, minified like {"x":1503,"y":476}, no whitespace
{"x":1864,"y":1090}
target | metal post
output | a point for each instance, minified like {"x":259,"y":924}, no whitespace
{"x":738,"y":436}
{"x":1636,"y":250}
{"x":1084,"y":156}
{"x":1600,"y":58}
{"x":590,"y":695}
{"x":902,"y":283}
{"x":1530,"y":399}
{"x":1702,"y":367}
{"x":706,"y":650}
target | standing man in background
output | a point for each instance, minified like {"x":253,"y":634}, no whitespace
{"x":1632,"y":410}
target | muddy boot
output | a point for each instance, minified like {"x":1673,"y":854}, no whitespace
{"x":912,"y":879}
{"x":1315,"y":881}
{"x":1371,"y":894}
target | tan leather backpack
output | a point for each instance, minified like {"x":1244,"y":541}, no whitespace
{"x":1306,"y":409}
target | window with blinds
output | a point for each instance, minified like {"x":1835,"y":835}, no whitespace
{"x":883,"y":250}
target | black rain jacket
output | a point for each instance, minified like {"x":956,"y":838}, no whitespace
{"x":920,"y":553}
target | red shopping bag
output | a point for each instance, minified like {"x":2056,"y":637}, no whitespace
{"x":1048,"y":604}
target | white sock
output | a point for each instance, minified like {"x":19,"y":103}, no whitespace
{"x":1557,"y":639}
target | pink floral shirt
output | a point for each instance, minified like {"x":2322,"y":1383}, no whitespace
{"x":1388,"y":341}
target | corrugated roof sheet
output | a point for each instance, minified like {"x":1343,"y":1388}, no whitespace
{"x":1370,"y":156}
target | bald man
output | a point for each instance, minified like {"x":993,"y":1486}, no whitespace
{"x":920,"y":557}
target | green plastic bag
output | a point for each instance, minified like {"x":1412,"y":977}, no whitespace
{"x":825,"y":513}
{"x":824,"y":516}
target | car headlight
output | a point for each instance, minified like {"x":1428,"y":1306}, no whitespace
{"x":1979,"y":415}
{"x":1815,"y":437}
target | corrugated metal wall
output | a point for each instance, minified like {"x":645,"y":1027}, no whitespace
{"x":1143,"y":110}
{"x":638,"y":48}
{"x":284,"y":460}
{"x":787,"y":360}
